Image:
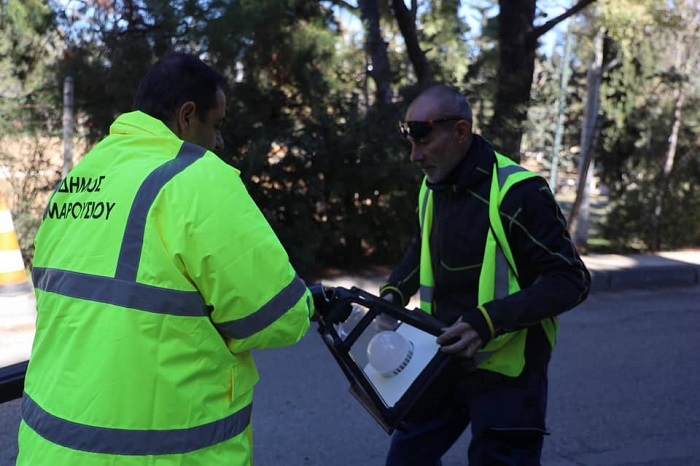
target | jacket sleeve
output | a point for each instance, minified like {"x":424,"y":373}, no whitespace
{"x":551,"y":274}
{"x":404,"y":281}
{"x":238,"y":264}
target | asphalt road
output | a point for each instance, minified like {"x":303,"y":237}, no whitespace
{"x":623,"y":391}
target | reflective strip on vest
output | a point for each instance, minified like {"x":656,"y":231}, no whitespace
{"x":502,"y":282}
{"x":427,"y":279}
{"x":505,"y":172}
{"x":132,"y":442}
{"x":503,"y":264}
{"x":267,"y":314}
{"x":120,"y":293}
{"x":130,"y":254}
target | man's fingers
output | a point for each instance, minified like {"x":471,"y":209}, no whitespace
{"x":455,"y":330}
{"x":459,"y":338}
{"x":473,"y":347}
{"x":454,"y":345}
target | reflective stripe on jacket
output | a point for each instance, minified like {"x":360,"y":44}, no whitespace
{"x":155,"y":276}
{"x":498,"y":278}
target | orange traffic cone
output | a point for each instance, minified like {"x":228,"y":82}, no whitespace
{"x":13,"y":275}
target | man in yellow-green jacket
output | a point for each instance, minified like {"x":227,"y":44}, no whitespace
{"x":155,"y":275}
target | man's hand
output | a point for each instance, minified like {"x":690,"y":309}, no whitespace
{"x":459,"y":339}
{"x":384,"y":321}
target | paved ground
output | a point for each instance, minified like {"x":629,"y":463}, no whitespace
{"x":610,"y":272}
{"x":623,"y":392}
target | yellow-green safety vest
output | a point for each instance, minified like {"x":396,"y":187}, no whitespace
{"x":504,"y":354}
{"x":150,"y":297}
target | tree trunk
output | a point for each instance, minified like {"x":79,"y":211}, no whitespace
{"x":578,"y":217}
{"x":563,"y":85}
{"x":517,"y":41}
{"x":68,"y":125}
{"x":406,"y":19}
{"x":664,"y":181}
{"x":515,"y":71}
{"x":378,"y":67}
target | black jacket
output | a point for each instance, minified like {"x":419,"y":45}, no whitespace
{"x":552,"y":276}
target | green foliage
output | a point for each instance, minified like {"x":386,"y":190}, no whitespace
{"x":112,"y":45}
{"x":632,"y":170}
{"x":27,"y":47}
{"x":445,"y":36}
{"x":326,"y":166}
{"x":22,"y":43}
{"x":654,"y":192}
{"x":329,"y":172}
{"x":628,"y":225}
{"x":542,"y":115}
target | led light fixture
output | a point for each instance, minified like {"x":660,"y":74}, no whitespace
{"x":388,"y":353}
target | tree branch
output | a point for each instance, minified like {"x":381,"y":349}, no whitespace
{"x":546,"y":27}
{"x":612,"y":65}
{"x":344,"y":4}
{"x":405,"y":19}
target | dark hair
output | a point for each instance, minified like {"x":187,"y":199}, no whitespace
{"x":175,"y":79}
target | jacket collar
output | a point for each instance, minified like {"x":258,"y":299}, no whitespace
{"x":137,"y":122}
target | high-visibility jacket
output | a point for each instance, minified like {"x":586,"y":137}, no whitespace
{"x":155,"y":276}
{"x":498,"y":278}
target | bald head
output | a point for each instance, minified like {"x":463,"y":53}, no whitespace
{"x":445,"y":101}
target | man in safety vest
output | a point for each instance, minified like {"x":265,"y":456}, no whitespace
{"x":492,"y":260}
{"x":155,"y":275}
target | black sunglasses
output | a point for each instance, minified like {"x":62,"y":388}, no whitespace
{"x":420,"y":129}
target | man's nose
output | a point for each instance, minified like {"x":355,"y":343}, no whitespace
{"x":416,"y":154}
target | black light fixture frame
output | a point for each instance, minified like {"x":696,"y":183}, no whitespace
{"x":333,"y":307}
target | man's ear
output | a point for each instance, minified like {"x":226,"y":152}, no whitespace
{"x":464,"y":131}
{"x":185,"y":116}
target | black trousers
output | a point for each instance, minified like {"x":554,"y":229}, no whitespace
{"x":507,"y":418}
